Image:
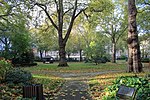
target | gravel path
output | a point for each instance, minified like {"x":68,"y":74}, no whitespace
{"x":80,"y":76}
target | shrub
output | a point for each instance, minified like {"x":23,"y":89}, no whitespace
{"x":141,"y":84}
{"x":145,"y":60}
{"x":17,"y":75}
{"x":122,"y":57}
{"x":37,"y":59}
{"x":24,"y":59}
{"x":5,"y":65}
{"x":99,"y":60}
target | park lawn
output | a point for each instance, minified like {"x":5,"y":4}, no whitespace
{"x":75,"y":67}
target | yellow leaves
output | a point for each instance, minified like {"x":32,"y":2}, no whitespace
{"x":106,"y":93}
{"x":92,"y":44}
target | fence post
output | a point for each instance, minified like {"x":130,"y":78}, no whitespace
{"x":39,"y":92}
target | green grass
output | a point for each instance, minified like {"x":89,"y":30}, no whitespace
{"x":78,"y":67}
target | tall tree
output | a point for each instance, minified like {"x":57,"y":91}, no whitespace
{"x":87,"y":25}
{"x":86,"y":33}
{"x":44,"y":39}
{"x":112,"y":23}
{"x":13,"y":19}
{"x":134,"y":55}
{"x":73,"y":8}
{"x":114,"y":27}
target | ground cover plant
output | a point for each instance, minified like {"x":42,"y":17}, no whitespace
{"x":104,"y":87}
{"x":142,"y":86}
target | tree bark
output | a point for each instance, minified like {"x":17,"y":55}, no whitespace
{"x":130,"y":60}
{"x":45,"y":53}
{"x":62,"y":43}
{"x":41,"y":54}
{"x":80,"y":55}
{"x":113,"y":53}
{"x":62,"y":55}
{"x":134,"y":55}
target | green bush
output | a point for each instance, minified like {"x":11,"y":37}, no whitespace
{"x":145,"y":60}
{"x":17,"y":75}
{"x":141,"y":84}
{"x":122,"y":57}
{"x":24,"y":59}
{"x":4,"y":67}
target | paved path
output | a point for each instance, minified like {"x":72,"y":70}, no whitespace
{"x":75,"y":88}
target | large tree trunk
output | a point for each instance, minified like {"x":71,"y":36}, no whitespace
{"x":134,"y":56}
{"x":113,"y":45}
{"x":41,"y":54}
{"x":80,"y":55}
{"x":62,"y":43}
{"x":130,"y":60}
{"x":62,"y":55}
{"x":113,"y":53}
{"x":45,"y":53}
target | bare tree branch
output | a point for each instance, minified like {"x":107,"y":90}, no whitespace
{"x":80,"y":12}
{"x":71,"y":23}
{"x":2,"y":40}
{"x":86,"y":15}
{"x":42,"y":6}
{"x":67,"y":11}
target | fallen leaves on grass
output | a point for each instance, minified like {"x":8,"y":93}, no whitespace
{"x":100,"y":82}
